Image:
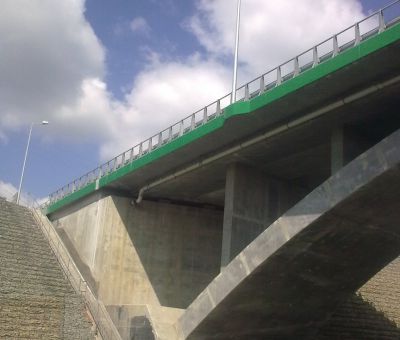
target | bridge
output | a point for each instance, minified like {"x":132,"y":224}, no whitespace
{"x":253,"y":219}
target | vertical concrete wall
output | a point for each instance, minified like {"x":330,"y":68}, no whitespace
{"x":82,"y":226}
{"x":153,"y":253}
{"x":346,"y":144}
{"x":252,"y":202}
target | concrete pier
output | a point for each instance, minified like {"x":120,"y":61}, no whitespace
{"x":252,"y":202}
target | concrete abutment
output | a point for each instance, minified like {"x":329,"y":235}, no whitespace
{"x":157,"y":255}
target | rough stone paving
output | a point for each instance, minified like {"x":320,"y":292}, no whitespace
{"x":36,"y":300}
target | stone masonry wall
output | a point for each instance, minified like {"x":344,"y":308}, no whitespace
{"x":373,"y":312}
{"x":36,"y":300}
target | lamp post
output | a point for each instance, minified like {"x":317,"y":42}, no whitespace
{"x":234,"y":81}
{"x":44,"y":122}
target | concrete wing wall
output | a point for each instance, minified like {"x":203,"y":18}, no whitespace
{"x":153,"y":253}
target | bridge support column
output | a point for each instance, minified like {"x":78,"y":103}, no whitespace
{"x":252,"y":203}
{"x":346,"y":145}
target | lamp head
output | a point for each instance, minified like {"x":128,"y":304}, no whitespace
{"x":45,"y":122}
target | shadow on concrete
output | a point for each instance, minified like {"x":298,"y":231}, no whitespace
{"x":83,"y":268}
{"x":179,"y":247}
{"x":288,"y":281}
{"x":131,"y":322}
{"x":359,"y":319}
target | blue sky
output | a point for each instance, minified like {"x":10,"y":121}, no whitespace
{"x":109,"y":73}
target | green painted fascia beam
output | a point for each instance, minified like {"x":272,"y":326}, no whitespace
{"x":185,"y":139}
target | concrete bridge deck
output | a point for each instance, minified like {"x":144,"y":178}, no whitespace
{"x":335,"y":86}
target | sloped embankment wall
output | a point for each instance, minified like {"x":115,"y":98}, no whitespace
{"x":36,"y":300}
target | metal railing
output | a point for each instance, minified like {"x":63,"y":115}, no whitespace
{"x":104,"y":324}
{"x":368,"y":27}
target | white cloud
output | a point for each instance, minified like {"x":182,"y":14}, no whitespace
{"x":137,"y":25}
{"x":7,"y":190}
{"x":140,"y":25}
{"x":271,"y":31}
{"x":52,"y":65}
{"x":49,"y":52}
{"x":161,"y":95}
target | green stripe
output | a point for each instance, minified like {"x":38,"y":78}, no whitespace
{"x":322,"y":70}
{"x":163,"y":150}
{"x":71,"y":198}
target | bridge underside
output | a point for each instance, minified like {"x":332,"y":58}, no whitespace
{"x":303,"y":157}
{"x":292,"y":278}
{"x":352,"y":97}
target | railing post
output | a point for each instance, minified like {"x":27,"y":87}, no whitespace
{"x":315,"y":56}
{"x":159,"y":139}
{"x":150,"y":147}
{"x":382,"y":25}
{"x":115,"y":163}
{"x":262,"y":84}
{"x":335,"y":45}
{"x":141,"y":149}
{"x":218,"y":110}
{"x":278,"y":76}
{"x":296,"y":68}
{"x":357,"y":38}
{"x":205,"y":115}
{"x":181,"y":128}
{"x":170,"y":133}
{"x":193,"y":121}
{"x":246,"y":92}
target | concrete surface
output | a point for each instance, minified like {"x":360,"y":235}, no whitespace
{"x":151,"y":322}
{"x":293,"y":276}
{"x":155,"y":254}
{"x":252,"y":202}
{"x":346,"y":144}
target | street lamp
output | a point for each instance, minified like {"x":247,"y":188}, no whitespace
{"x":44,"y":122}
{"x":234,"y":80}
